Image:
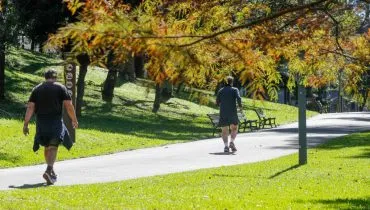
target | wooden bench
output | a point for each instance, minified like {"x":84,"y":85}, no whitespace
{"x":215,"y":119}
{"x":264,"y":120}
{"x":243,"y":122}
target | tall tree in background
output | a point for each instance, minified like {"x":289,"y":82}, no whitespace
{"x":40,"y":18}
{"x":84,"y":61}
{"x":8,"y":35}
{"x":110,"y":81}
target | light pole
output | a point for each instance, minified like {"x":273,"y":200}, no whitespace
{"x":340,"y":98}
{"x":302,"y":130}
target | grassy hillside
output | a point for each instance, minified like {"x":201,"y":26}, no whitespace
{"x":106,"y":127}
{"x":336,"y":177}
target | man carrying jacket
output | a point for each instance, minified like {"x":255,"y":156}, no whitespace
{"x":46,"y":101}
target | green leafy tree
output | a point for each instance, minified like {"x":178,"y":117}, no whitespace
{"x":39,"y":18}
{"x":8,"y":35}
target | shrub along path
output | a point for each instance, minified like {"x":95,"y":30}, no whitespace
{"x":253,"y":147}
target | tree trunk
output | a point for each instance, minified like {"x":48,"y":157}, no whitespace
{"x":157,"y":99}
{"x":218,"y":87}
{"x":40,"y":48}
{"x":162,"y":94}
{"x":128,"y":73}
{"x":33,"y":45}
{"x":130,"y":68}
{"x":139,"y":66}
{"x":22,"y":44}
{"x":2,"y":71}
{"x":179,"y":87}
{"x":84,"y":62}
{"x":365,"y":96}
{"x":108,"y":88}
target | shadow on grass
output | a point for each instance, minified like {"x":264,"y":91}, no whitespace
{"x":12,"y":110}
{"x":9,"y":157}
{"x":342,"y":203}
{"x":360,"y":139}
{"x":35,"y":67}
{"x":285,"y":170}
{"x":29,"y":186}
{"x":114,"y":118}
{"x":145,"y":126}
{"x":365,"y":154}
{"x":17,"y":84}
{"x":229,"y":175}
{"x":34,"y":59}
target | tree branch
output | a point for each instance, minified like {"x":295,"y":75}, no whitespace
{"x":366,"y":1}
{"x":336,"y":22}
{"x":341,"y":54}
{"x":209,"y":36}
{"x":257,"y":21}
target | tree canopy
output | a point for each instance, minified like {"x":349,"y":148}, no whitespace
{"x":39,"y":18}
{"x":200,"y":42}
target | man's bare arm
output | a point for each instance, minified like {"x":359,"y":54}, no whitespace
{"x":27,"y":118}
{"x":71,"y":112}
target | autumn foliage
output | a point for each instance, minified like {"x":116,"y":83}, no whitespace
{"x":199,"y":42}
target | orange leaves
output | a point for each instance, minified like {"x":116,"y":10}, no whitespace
{"x":74,"y":5}
{"x":160,"y":78}
{"x":316,"y":81}
{"x":157,"y":28}
{"x":2,"y":7}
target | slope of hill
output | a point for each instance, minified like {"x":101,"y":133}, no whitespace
{"x":125,"y":124}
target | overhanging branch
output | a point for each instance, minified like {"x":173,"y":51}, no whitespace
{"x":257,"y":21}
{"x":341,"y":54}
{"x":336,"y":22}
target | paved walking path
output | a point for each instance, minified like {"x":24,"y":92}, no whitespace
{"x":252,"y":147}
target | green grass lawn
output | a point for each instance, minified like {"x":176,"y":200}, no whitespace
{"x":107,"y":127}
{"x":336,"y":177}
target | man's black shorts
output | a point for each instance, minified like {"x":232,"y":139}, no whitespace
{"x":49,"y":141}
{"x":226,"y":121}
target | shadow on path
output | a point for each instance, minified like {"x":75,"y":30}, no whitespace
{"x":222,"y":153}
{"x":29,"y":186}
{"x":316,"y":130}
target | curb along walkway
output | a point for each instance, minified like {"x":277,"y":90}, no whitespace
{"x":252,"y":147}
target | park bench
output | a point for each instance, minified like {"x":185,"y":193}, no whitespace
{"x":215,"y":119}
{"x":264,"y":120}
{"x":243,"y":122}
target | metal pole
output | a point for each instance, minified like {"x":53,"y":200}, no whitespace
{"x":302,"y":131}
{"x":340,"y":102}
{"x":302,"y":124}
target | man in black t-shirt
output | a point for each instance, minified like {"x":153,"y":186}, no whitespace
{"x":47,"y":101}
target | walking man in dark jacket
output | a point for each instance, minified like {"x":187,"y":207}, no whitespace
{"x":46,"y":101}
{"x":227,"y":98}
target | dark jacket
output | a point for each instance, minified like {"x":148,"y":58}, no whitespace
{"x":51,"y":128}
